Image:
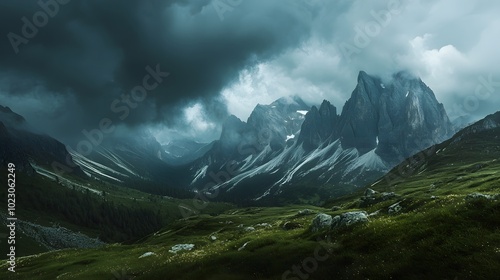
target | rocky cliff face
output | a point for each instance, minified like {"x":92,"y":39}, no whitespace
{"x":381,"y":124}
{"x":397,"y":119}
{"x":319,"y":126}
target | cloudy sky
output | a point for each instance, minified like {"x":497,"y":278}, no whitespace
{"x":67,"y":65}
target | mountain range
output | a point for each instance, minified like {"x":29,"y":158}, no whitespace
{"x":380,"y":125}
{"x":439,"y":206}
{"x":286,"y":151}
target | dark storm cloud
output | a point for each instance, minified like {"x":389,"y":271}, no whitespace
{"x":89,"y":53}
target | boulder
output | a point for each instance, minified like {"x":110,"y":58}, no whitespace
{"x":395,"y":208}
{"x":181,"y":247}
{"x":249,"y":229}
{"x":473,"y":196}
{"x":369,"y":192}
{"x":349,"y":218}
{"x":321,"y":221}
{"x":387,"y":195}
{"x":305,"y":212}
{"x":147,"y":254}
{"x":264,"y":225}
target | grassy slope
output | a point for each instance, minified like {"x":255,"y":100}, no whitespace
{"x":130,"y":198}
{"x":441,"y":238}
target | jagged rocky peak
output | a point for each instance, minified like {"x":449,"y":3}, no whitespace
{"x":290,"y":103}
{"x":232,"y":128}
{"x":397,"y":118}
{"x":411,"y":118}
{"x":360,"y":115}
{"x":319,"y":126}
{"x":368,"y":88}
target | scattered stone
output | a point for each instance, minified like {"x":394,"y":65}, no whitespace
{"x":321,"y":221}
{"x":434,"y":197}
{"x":244,"y":245}
{"x":181,"y":247}
{"x":372,"y":197}
{"x":148,"y":254}
{"x":213,"y":237}
{"x":249,"y":229}
{"x":369,"y":192}
{"x":305,"y":212}
{"x":395,"y":208}
{"x":349,"y":218}
{"x":473,"y":196}
{"x":336,"y":208}
{"x":291,"y":225}
{"x":240,"y":226}
{"x":374,"y":213}
{"x":387,"y":195}
{"x":265,"y":225}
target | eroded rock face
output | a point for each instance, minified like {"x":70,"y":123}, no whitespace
{"x":398,"y":119}
{"x":381,"y":124}
{"x":319,"y":126}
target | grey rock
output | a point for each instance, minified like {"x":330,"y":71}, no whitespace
{"x":319,"y":125}
{"x":181,"y":247}
{"x":369,"y":192}
{"x":387,"y":195}
{"x":321,"y":221}
{"x":147,"y":254}
{"x":265,"y":225}
{"x":249,"y":229}
{"x":349,"y":219}
{"x":374,"y":213}
{"x":473,"y":196}
{"x":243,"y":246}
{"x":395,"y":208}
{"x":305,"y":212}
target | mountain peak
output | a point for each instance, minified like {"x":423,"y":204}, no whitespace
{"x":405,"y":75}
{"x":292,"y":100}
{"x":362,"y":75}
{"x":232,"y":121}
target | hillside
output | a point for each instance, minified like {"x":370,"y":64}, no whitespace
{"x":436,"y":216}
